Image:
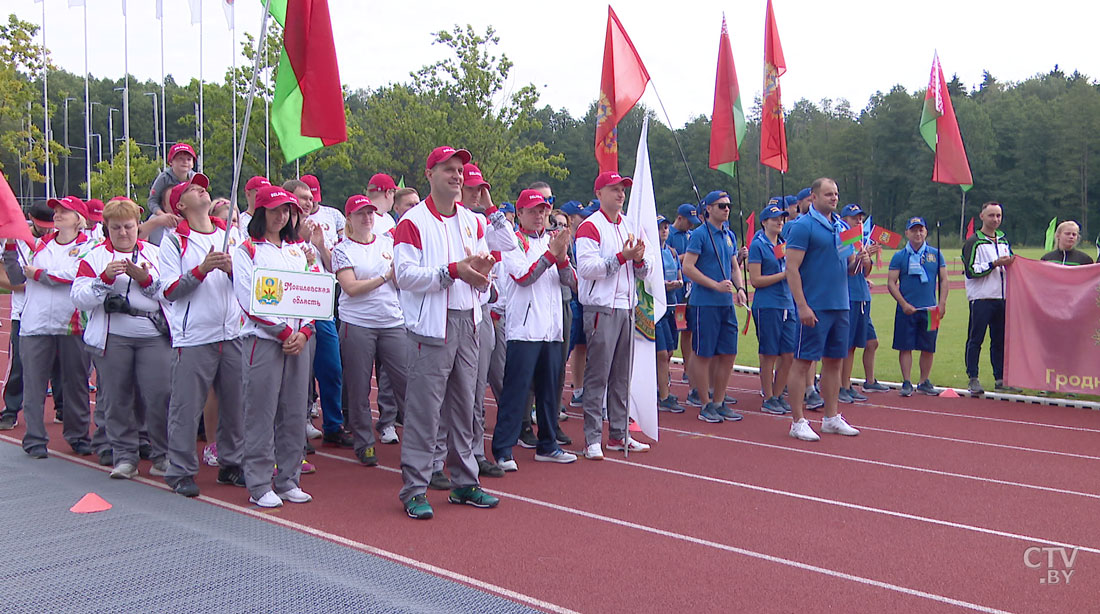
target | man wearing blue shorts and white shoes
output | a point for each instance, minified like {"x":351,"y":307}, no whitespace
{"x":817,"y":273}
{"x":711,"y":263}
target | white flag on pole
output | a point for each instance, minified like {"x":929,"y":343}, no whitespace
{"x":196,"y":11}
{"x":160,"y":9}
{"x":227,"y":6}
{"x":123,"y":8}
{"x":73,"y":3}
{"x":641,"y":221}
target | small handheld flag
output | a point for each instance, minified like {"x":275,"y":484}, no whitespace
{"x":885,"y":237}
{"x":1048,"y":243}
{"x":850,"y":236}
{"x":934,"y":319}
{"x":780,"y":251}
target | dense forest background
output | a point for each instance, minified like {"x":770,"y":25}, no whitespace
{"x":1031,"y":144}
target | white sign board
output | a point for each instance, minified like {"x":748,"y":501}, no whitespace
{"x":293,"y":294}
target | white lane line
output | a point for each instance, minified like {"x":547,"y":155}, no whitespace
{"x":393,"y":556}
{"x":727,"y":548}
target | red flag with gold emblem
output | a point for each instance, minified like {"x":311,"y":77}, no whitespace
{"x":773,"y":133}
{"x":622,"y":84}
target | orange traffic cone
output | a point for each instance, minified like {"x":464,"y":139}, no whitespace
{"x":949,"y":393}
{"x":90,"y":503}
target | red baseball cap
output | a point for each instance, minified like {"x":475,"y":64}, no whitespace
{"x":71,"y":203}
{"x":95,"y":209}
{"x":381,"y":182}
{"x":607,"y":178}
{"x":531,"y":198}
{"x":357,"y":202}
{"x":444,"y":153}
{"x":314,"y":186}
{"x":257,"y":182}
{"x":178,"y":190}
{"x":179,"y":148}
{"x":272,"y":196}
{"x":471,"y":176}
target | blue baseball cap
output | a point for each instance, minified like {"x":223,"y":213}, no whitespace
{"x":572,"y":207}
{"x":778,"y":201}
{"x":688,"y":210}
{"x":507,"y":208}
{"x":714,"y":197}
{"x":850,"y":210}
{"x":592,"y":207}
{"x":915,"y":221}
{"x":803,"y":194}
{"x":790,"y":201}
{"x":773,"y":211}
{"x":662,"y":220}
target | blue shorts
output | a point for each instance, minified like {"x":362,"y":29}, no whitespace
{"x":911,"y":332}
{"x":871,"y":334}
{"x":859,"y":317}
{"x":775,"y":330}
{"x":827,"y":339}
{"x":665,"y":333}
{"x":713,"y":330}
{"x":576,"y":331}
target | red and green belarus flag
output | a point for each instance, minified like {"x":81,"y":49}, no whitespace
{"x":727,"y":122}
{"x":308,"y":110}
{"x":940,"y":130}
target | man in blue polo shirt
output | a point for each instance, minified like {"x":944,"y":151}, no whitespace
{"x":687,"y":218}
{"x":798,"y":206}
{"x":817,"y":273}
{"x":711,"y":263}
{"x":859,"y":301}
{"x":915,"y":272}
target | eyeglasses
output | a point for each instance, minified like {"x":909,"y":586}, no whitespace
{"x":722,"y":205}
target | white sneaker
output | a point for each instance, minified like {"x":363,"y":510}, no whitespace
{"x":270,"y":499}
{"x":312,"y":432}
{"x":557,"y":456}
{"x":508,"y":465}
{"x":295,"y":495}
{"x":630,"y":446}
{"x":837,"y":425}
{"x":389,"y":435}
{"x":594,"y":451}
{"x":124,"y":471}
{"x":315,"y":409}
{"x":159,"y":468}
{"x":802,"y":430}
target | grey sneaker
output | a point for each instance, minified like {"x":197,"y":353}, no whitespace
{"x":785,"y":404}
{"x":906,"y":389}
{"x":772,"y":406}
{"x":856,"y":395}
{"x":975,"y":386}
{"x":710,"y":414}
{"x":813,"y":401}
{"x":669,"y":404}
{"x":7,"y":423}
{"x":927,"y":388}
{"x":693,"y":398}
{"x":874,"y":386}
{"x":845,"y":396}
{"x":727,"y":414}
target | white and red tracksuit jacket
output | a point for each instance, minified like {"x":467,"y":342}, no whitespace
{"x":606,"y":278}
{"x":201,"y":308}
{"x":91,"y":287}
{"x":534,"y":301}
{"x":48,"y":309}
{"x":258,"y":253}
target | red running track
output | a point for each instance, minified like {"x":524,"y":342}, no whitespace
{"x":937,"y":506}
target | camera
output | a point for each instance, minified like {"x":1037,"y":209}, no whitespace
{"x":116,"y":303}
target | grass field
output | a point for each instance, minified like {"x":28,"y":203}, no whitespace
{"x":949,"y":367}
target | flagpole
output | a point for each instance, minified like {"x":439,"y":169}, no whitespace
{"x":247,"y":116}
{"x":46,"y":106}
{"x":163,"y":144}
{"x":202,"y":110}
{"x":675,"y":138}
{"x":962,"y":218}
{"x":126,"y":93}
{"x":233,"y":80}
{"x":745,"y":241}
{"x":87,"y":113}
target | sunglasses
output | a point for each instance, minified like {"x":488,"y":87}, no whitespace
{"x":549,"y":200}
{"x":722,"y":205}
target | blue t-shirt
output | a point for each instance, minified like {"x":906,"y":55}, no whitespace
{"x":919,"y":295}
{"x":717,"y":268}
{"x":777,"y":295}
{"x":678,"y":239}
{"x":824,"y":269}
{"x":857,"y":282}
{"x":671,"y":264}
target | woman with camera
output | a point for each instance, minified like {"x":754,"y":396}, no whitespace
{"x":117,"y":285}
{"x":276,"y":369}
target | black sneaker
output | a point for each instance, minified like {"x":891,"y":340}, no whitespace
{"x":488,"y":469}
{"x":145,"y":451}
{"x":340,"y":438}
{"x":186,"y":486}
{"x":527,"y":439}
{"x":7,"y":423}
{"x":82,"y":448}
{"x":231,"y":475}
{"x":367,"y":456}
{"x":107,"y":458}
{"x":38,"y":452}
{"x":564,"y":439}
{"x":440,"y":482}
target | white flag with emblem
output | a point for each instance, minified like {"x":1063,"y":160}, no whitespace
{"x":641,"y":221}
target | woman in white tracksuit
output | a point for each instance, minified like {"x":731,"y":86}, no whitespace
{"x":372,"y":327}
{"x":276,"y":368}
{"x":51,"y":328}
{"x":117,"y":285}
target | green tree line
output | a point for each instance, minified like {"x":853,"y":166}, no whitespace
{"x":1031,"y":144}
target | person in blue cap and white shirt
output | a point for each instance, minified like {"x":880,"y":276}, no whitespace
{"x":711,"y":262}
{"x":773,"y":311}
{"x":817,"y":272}
{"x":915,"y":273}
{"x":859,"y":301}
{"x":665,"y":329}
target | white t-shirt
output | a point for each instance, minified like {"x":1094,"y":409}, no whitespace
{"x":331,"y":221}
{"x":380,"y":307}
{"x":383,"y":224}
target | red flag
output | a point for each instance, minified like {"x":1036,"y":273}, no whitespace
{"x":934,"y":318}
{"x":751,"y":224}
{"x":940,"y":130}
{"x":780,"y":251}
{"x":970,"y":228}
{"x":622,"y":84}
{"x":727,"y":122}
{"x":885,"y":237}
{"x":851,"y":236}
{"x":13,"y":224}
{"x":773,"y":134}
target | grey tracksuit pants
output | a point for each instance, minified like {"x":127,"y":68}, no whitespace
{"x":126,"y":362}
{"x":275,"y":413}
{"x":361,"y":349}
{"x":608,"y":371}
{"x":38,"y":353}
{"x":194,"y":370}
{"x":442,"y":373}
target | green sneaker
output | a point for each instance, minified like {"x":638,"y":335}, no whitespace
{"x":473,"y":495}
{"x":418,"y":507}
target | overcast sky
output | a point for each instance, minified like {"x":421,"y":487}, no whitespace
{"x":839,"y":49}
